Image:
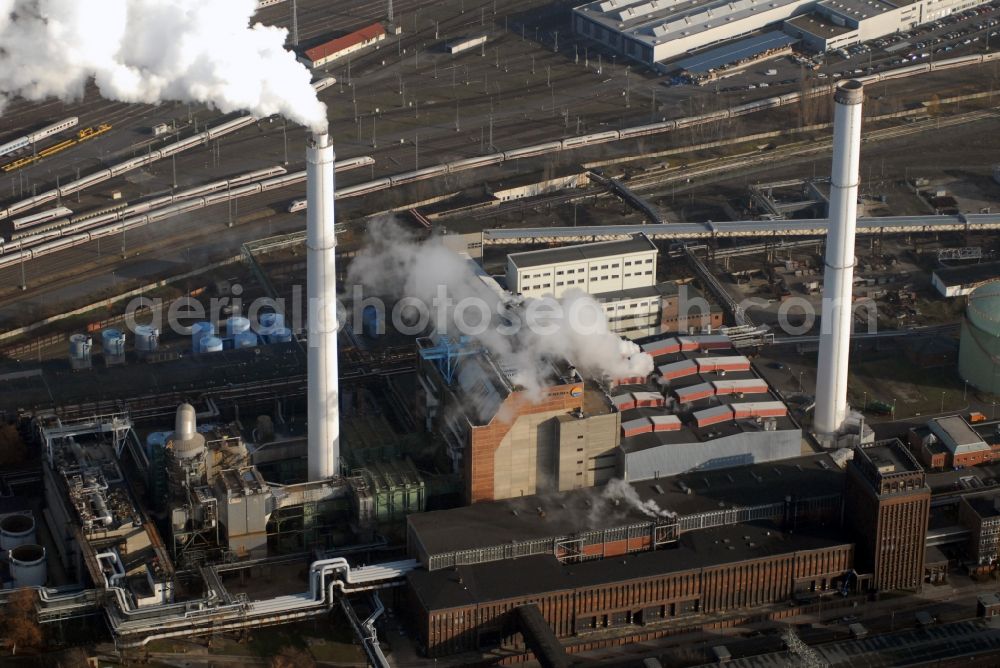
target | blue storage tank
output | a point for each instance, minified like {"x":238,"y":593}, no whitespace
{"x":199,"y":331}
{"x":270,"y":322}
{"x":371,"y":322}
{"x":245,"y":339}
{"x":280,"y":335}
{"x":211,"y":344}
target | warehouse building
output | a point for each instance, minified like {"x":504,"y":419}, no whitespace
{"x":621,"y":275}
{"x":654,"y":31}
{"x":327,"y":52}
{"x":951,"y":442}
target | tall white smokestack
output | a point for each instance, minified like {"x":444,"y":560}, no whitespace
{"x":321,"y":289}
{"x":838,"y":278}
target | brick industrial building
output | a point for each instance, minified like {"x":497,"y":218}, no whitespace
{"x":605,"y":563}
{"x":887,"y":503}
{"x":471,"y":607}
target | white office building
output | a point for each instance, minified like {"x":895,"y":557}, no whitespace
{"x":621,"y":275}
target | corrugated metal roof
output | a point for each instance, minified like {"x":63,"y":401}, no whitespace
{"x":347,"y":41}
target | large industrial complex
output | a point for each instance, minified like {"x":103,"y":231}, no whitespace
{"x":453,"y":333}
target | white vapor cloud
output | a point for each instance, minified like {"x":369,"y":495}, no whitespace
{"x":151,"y":51}
{"x":394,"y":263}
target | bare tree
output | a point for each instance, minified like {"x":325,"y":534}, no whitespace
{"x":12,"y":448}
{"x":293,"y":657}
{"x":20,"y":621}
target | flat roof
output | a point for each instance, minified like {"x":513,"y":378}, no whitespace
{"x":857,"y":10}
{"x":958,"y":431}
{"x":534,"y":575}
{"x":816,"y":25}
{"x":984,"y":505}
{"x":665,"y":289}
{"x":970,"y":274}
{"x":653,"y":22}
{"x":576,"y":511}
{"x":582,"y":252}
{"x":884,"y":454}
{"x":732,"y":52}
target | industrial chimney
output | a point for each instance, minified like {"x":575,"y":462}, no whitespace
{"x":838,"y":278}
{"x":321,"y":290}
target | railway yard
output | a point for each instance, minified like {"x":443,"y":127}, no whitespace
{"x":410,"y":108}
{"x":496,"y":128}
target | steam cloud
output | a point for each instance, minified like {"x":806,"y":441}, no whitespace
{"x":393,"y":263}
{"x":618,"y":489}
{"x":151,"y":51}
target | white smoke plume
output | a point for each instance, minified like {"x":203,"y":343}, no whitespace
{"x":617,"y":491}
{"x":525,"y":337}
{"x":151,"y":51}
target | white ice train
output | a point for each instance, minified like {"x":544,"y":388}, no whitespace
{"x":59,"y":212}
{"x":88,"y":228}
{"x":33,"y":137}
{"x":141,"y":161}
{"x":632,"y":132}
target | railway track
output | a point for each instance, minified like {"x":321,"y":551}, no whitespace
{"x":690,"y":171}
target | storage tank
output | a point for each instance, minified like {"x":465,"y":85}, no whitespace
{"x":979,"y":351}
{"x":199,"y":331}
{"x":17,"y":529}
{"x":79,"y":350}
{"x":270,"y":322}
{"x":281,"y":335}
{"x":245,"y":339}
{"x":113,"y":342}
{"x":371,"y":323}
{"x":211,"y":344}
{"x":147,"y":338}
{"x":27,"y":566}
{"x":237,"y":325}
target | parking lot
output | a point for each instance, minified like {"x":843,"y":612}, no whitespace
{"x":974,"y":30}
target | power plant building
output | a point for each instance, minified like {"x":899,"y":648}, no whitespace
{"x":621,"y":275}
{"x":888,"y":502}
{"x":605,"y":561}
{"x":508,"y":442}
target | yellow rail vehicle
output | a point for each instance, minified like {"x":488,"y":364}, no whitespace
{"x":81,"y":136}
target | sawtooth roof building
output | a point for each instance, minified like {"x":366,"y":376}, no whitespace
{"x":653,"y":31}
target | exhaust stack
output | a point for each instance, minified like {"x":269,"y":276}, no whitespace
{"x":838,"y":277}
{"x":321,"y":290}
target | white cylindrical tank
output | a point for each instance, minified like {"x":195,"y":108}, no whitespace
{"x":17,"y":529}
{"x":211,"y":344}
{"x":147,"y":338}
{"x":199,"y":331}
{"x":79,"y":347}
{"x":236,"y":325}
{"x":187,"y":442}
{"x":838,"y":276}
{"x":27,"y":566}
{"x":280,"y":335}
{"x":185,"y":422}
{"x":113,"y":342}
{"x":245,"y":339}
